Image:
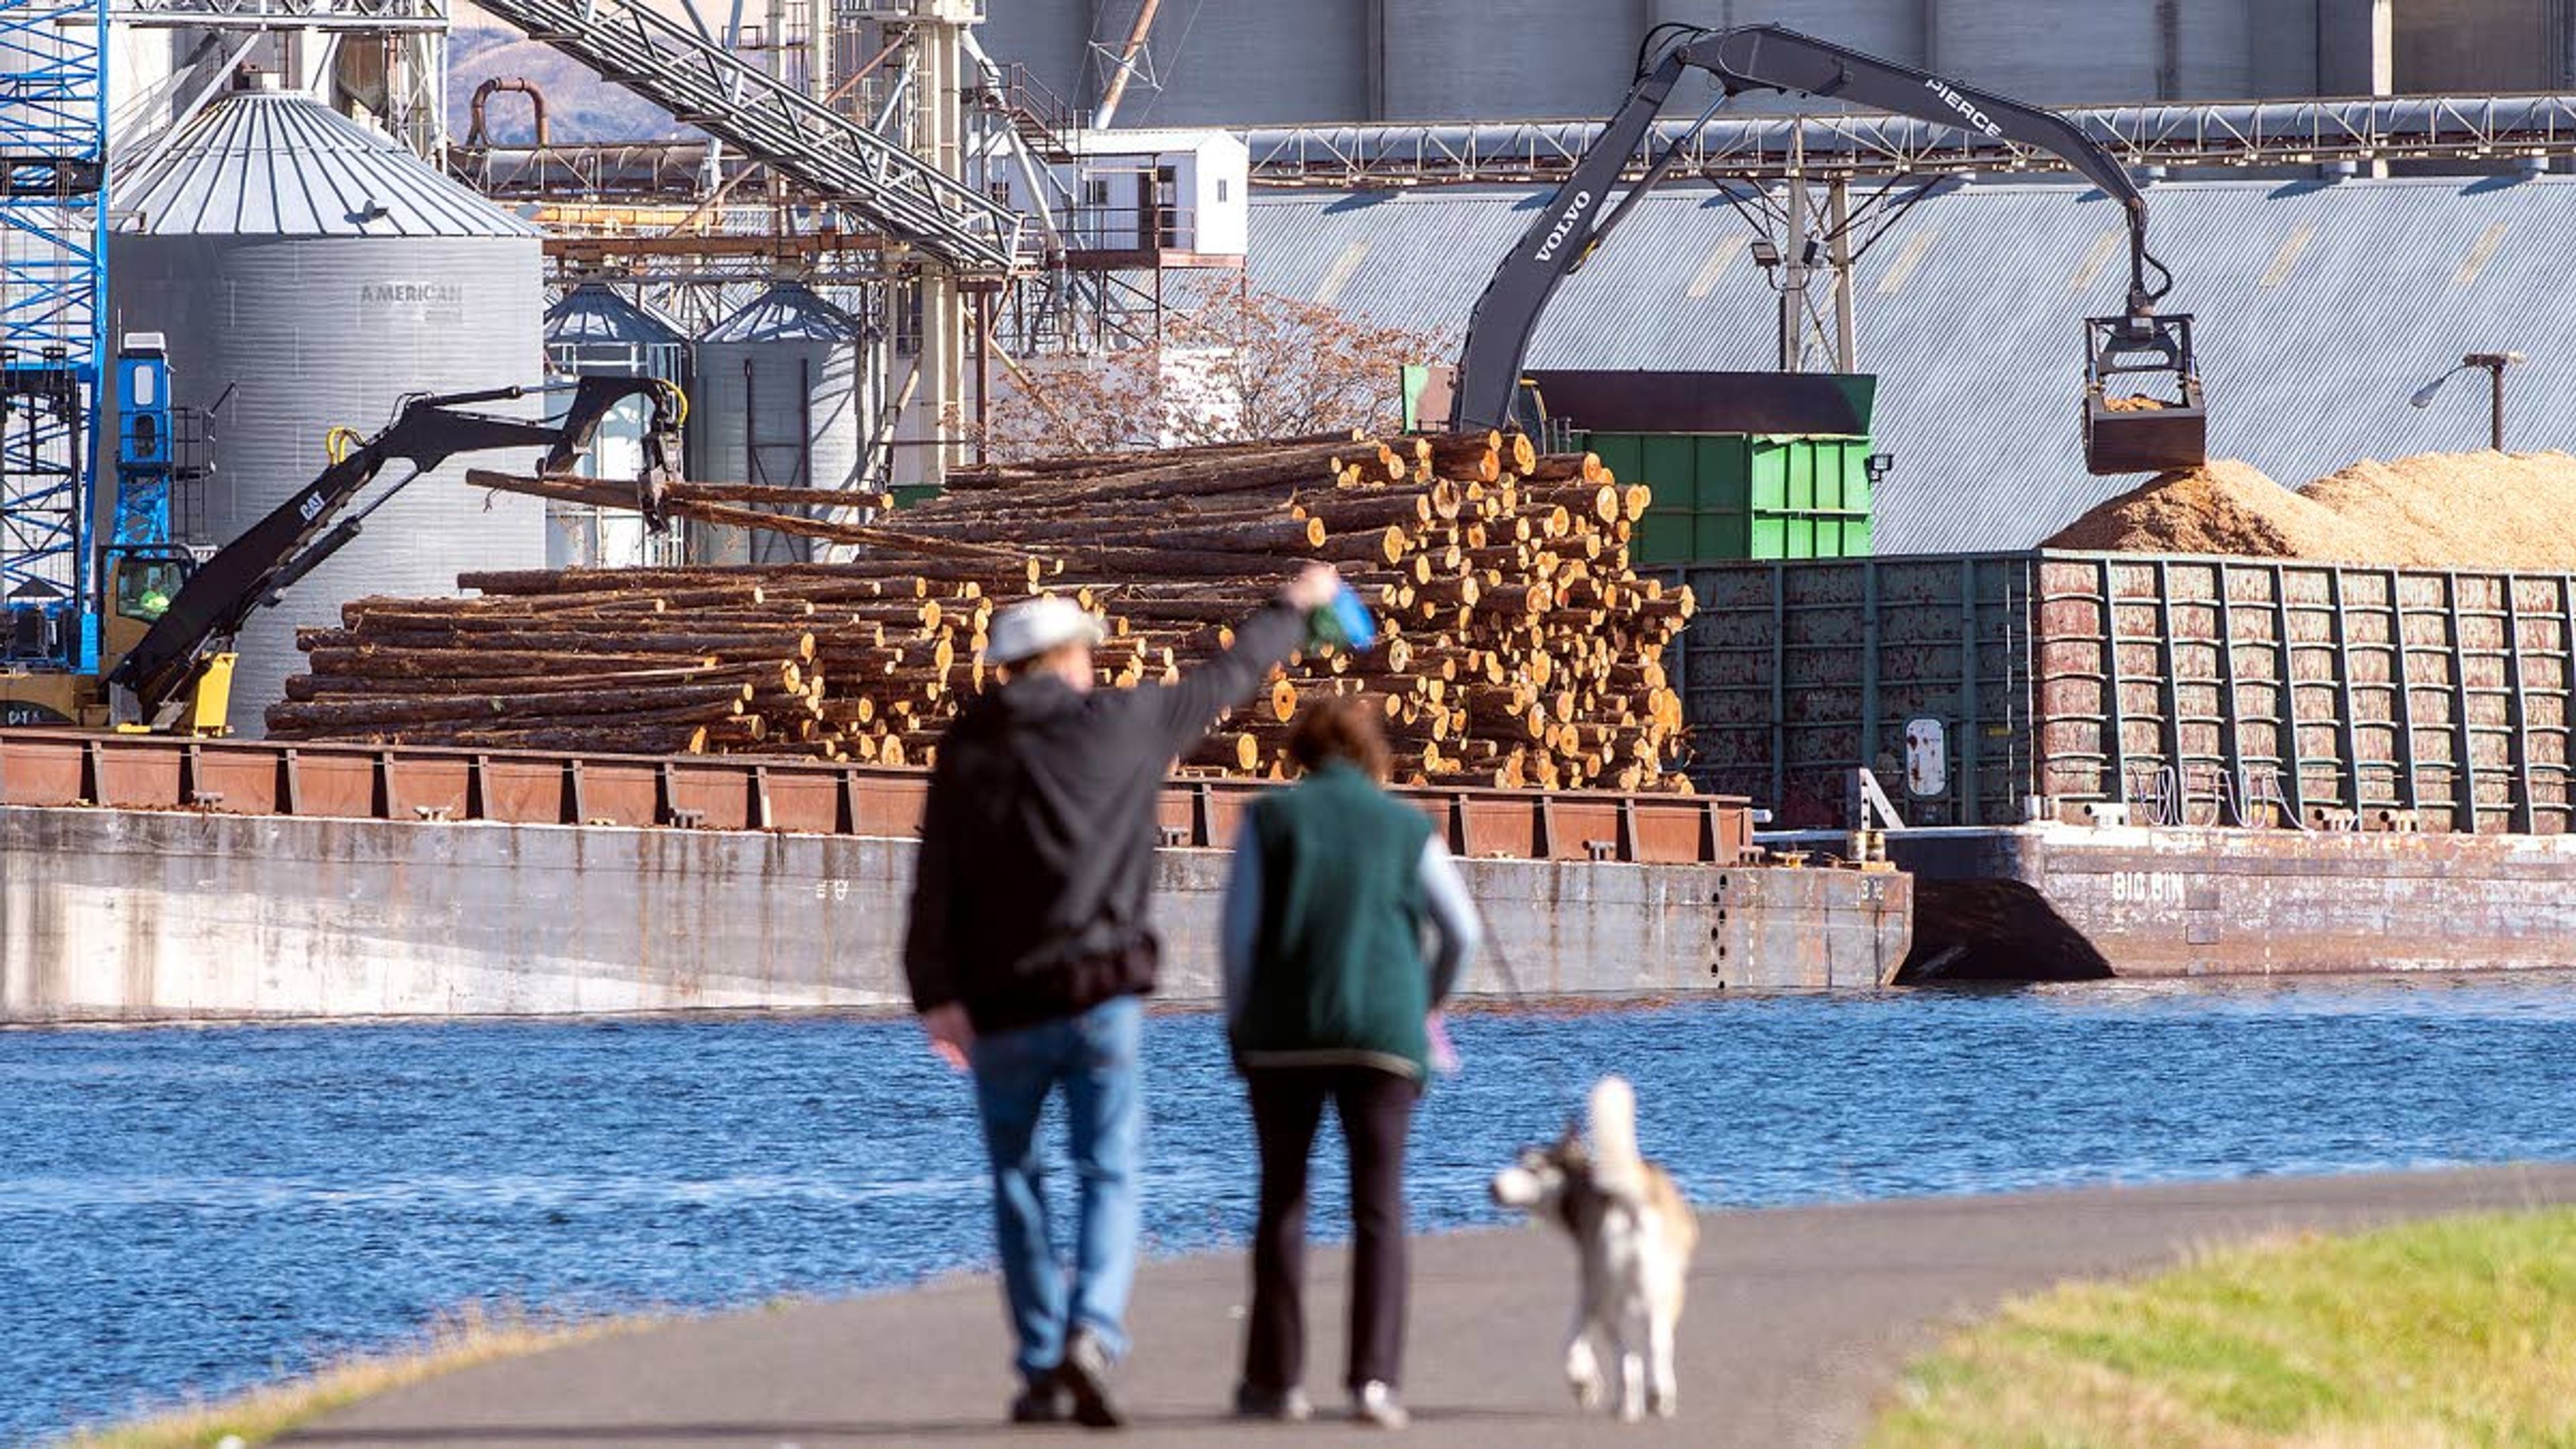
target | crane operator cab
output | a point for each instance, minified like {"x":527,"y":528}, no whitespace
{"x":2142,"y":402}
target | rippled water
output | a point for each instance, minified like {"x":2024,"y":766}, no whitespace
{"x":189,"y":1210}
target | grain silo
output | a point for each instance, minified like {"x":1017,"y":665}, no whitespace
{"x":593,"y":332}
{"x":781,"y":402}
{"x":319,"y":272}
{"x":1458,"y":60}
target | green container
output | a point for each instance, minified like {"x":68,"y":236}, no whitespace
{"x":1720,"y":535}
{"x":1625,"y":455}
{"x":1736,"y":472}
{"x":908,"y":494}
{"x":1663,"y":537}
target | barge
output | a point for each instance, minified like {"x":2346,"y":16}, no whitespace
{"x":152,"y":878}
{"x":2153,"y":765}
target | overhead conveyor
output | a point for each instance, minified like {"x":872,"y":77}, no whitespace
{"x":700,"y":82}
{"x":2483,"y":129}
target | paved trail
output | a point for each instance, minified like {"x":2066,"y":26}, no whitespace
{"x":1799,"y":1320}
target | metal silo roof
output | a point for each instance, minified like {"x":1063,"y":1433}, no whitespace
{"x":593,"y":312}
{"x":277,"y":163}
{"x":2321,"y":308}
{"x":788,"y":312}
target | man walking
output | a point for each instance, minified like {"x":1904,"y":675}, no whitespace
{"x":1029,"y":946}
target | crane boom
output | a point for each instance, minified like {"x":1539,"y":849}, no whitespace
{"x":1768,"y":57}
{"x":153,"y":685}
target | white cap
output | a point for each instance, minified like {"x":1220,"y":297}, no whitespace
{"x":1031,"y":627}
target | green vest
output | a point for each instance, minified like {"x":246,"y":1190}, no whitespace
{"x":1338,"y":977}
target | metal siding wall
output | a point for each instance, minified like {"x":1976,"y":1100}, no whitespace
{"x":2050,"y":51}
{"x":2482,"y":46}
{"x":1792,"y":675}
{"x":2195,"y":691}
{"x":292,"y":324}
{"x":1889,"y":29}
{"x":770,"y":393}
{"x":1251,"y":62}
{"x":1453,"y":60}
{"x":1051,"y":37}
{"x":2215,"y":55}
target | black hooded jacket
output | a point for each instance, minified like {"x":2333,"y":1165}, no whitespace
{"x":1037,"y":842}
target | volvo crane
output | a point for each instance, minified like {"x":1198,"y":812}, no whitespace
{"x":170,"y":670}
{"x":2128,"y":426}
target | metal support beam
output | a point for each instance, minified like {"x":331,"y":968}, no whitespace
{"x":2470,"y":128}
{"x":702,"y":83}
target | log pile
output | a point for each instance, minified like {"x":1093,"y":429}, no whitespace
{"x":1520,"y":648}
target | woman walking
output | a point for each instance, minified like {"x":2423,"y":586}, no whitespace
{"x":1328,"y":989}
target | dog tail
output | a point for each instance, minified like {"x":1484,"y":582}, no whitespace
{"x":1617,"y":1166}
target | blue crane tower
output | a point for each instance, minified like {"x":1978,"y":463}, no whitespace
{"x":53,"y":327}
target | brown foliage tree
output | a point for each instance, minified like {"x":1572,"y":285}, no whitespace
{"x":1246,"y":365}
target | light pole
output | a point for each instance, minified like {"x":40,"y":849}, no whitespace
{"x":2494,"y":364}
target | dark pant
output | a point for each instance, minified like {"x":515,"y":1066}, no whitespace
{"x":1376,"y":1110}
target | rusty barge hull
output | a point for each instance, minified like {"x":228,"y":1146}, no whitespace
{"x":2058,"y":901}
{"x":153,"y":880}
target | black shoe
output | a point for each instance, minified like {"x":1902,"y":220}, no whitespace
{"x":1042,"y":1402}
{"x":1085,"y":1375}
{"x":1285,"y":1406}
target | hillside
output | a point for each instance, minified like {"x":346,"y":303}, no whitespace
{"x":580,"y":106}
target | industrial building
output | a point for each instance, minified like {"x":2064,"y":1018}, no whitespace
{"x":1252,"y":62}
{"x":2318,"y":326}
{"x":883,"y":211}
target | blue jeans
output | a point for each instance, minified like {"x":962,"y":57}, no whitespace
{"x":1094,"y":1058}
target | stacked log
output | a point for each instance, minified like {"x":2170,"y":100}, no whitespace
{"x":1520,"y":648}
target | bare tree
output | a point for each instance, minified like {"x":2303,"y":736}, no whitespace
{"x":1246,"y":365}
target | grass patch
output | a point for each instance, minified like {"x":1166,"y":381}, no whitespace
{"x":458,"y":1340}
{"x":2453,"y":1331}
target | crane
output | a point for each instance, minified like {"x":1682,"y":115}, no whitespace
{"x":177,"y":676}
{"x":2126,"y":429}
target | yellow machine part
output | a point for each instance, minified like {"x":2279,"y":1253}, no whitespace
{"x":214,"y":696}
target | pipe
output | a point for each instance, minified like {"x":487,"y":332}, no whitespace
{"x":1126,"y":65}
{"x":476,"y":135}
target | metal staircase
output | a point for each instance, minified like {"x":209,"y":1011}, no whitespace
{"x":697,"y":80}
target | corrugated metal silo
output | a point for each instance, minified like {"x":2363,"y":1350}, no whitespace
{"x":1255,"y":62}
{"x":2033,"y":50}
{"x":780,"y":403}
{"x":1888,"y":29}
{"x":593,"y":332}
{"x":2214,"y":59}
{"x":321,"y":271}
{"x":1051,"y":37}
{"x":1459,"y":60}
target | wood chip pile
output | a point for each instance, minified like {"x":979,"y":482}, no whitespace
{"x":1521,"y":648}
{"x":2434,"y":510}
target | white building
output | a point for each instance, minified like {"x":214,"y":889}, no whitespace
{"x":1149,"y":192}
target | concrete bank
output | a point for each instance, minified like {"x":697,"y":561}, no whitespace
{"x":123,"y":915}
{"x":1799,"y":1321}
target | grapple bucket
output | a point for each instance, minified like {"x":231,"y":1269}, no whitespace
{"x":2143,"y":411}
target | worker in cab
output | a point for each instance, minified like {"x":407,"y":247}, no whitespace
{"x":1030,"y":945}
{"x":151,"y":605}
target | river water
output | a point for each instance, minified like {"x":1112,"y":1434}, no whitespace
{"x":186,"y":1211}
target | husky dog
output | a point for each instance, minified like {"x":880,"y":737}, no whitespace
{"x":1634,"y":1234}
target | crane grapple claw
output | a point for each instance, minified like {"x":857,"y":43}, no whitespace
{"x":2143,"y":409}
